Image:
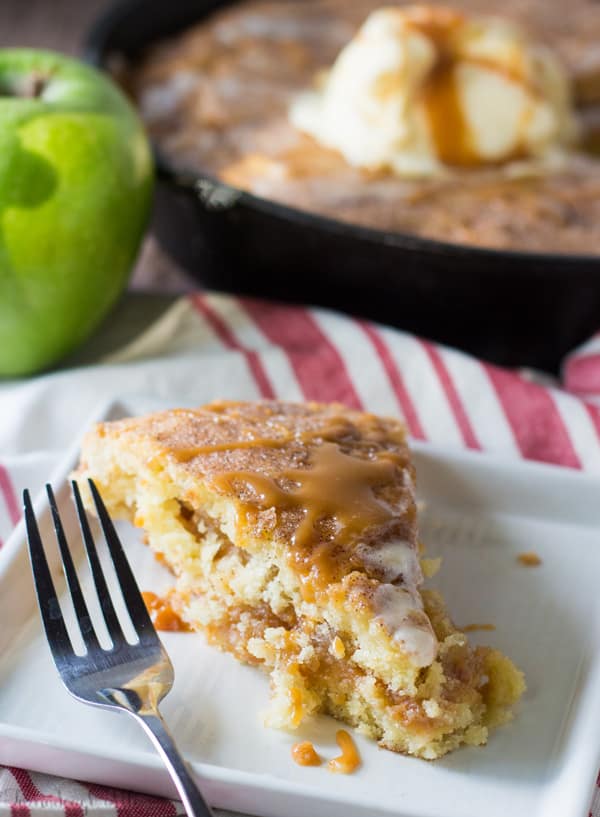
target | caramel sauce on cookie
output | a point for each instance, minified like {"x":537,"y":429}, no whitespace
{"x":296,"y":708}
{"x":336,"y":487}
{"x":323,"y":484}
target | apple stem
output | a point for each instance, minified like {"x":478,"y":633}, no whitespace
{"x":34,"y":85}
{"x":30,"y":86}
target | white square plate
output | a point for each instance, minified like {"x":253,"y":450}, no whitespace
{"x":479,"y":514}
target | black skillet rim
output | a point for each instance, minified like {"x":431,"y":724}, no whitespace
{"x":94,"y":52}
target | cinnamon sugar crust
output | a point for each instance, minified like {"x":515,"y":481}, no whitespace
{"x":253,"y":453}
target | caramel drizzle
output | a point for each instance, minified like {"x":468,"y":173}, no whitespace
{"x":529,"y":559}
{"x":162,"y":614}
{"x":304,"y":754}
{"x":332,"y":496}
{"x":450,"y":129}
{"x":473,"y":628}
{"x":336,"y":487}
{"x":349,"y":760}
{"x":448,"y":124}
{"x":296,"y":708}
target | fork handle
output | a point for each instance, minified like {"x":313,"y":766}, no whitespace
{"x":156,"y":729}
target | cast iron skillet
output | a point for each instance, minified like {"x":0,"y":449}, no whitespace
{"x":513,"y":308}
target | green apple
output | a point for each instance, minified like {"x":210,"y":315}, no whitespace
{"x":76,"y":179}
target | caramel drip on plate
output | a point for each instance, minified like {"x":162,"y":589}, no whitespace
{"x":304,"y":754}
{"x":162,"y":614}
{"x":529,"y":559}
{"x":472,"y":628}
{"x":336,"y":488}
{"x":349,"y":760}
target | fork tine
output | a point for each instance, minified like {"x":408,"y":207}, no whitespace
{"x":81,"y":610}
{"x":52,"y":618}
{"x":110,"y":615}
{"x":133,"y":598}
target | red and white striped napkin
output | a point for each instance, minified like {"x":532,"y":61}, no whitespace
{"x":207,"y":346}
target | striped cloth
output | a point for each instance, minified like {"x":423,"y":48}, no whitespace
{"x":206,"y":346}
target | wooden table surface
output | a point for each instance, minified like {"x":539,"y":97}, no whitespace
{"x":62,"y":25}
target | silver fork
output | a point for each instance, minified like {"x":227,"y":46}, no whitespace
{"x":131,"y":678}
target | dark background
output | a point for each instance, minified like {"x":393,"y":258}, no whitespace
{"x":62,"y":25}
{"x":59,"y":24}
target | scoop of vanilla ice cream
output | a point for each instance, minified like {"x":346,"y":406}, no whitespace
{"x":420,"y":88}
